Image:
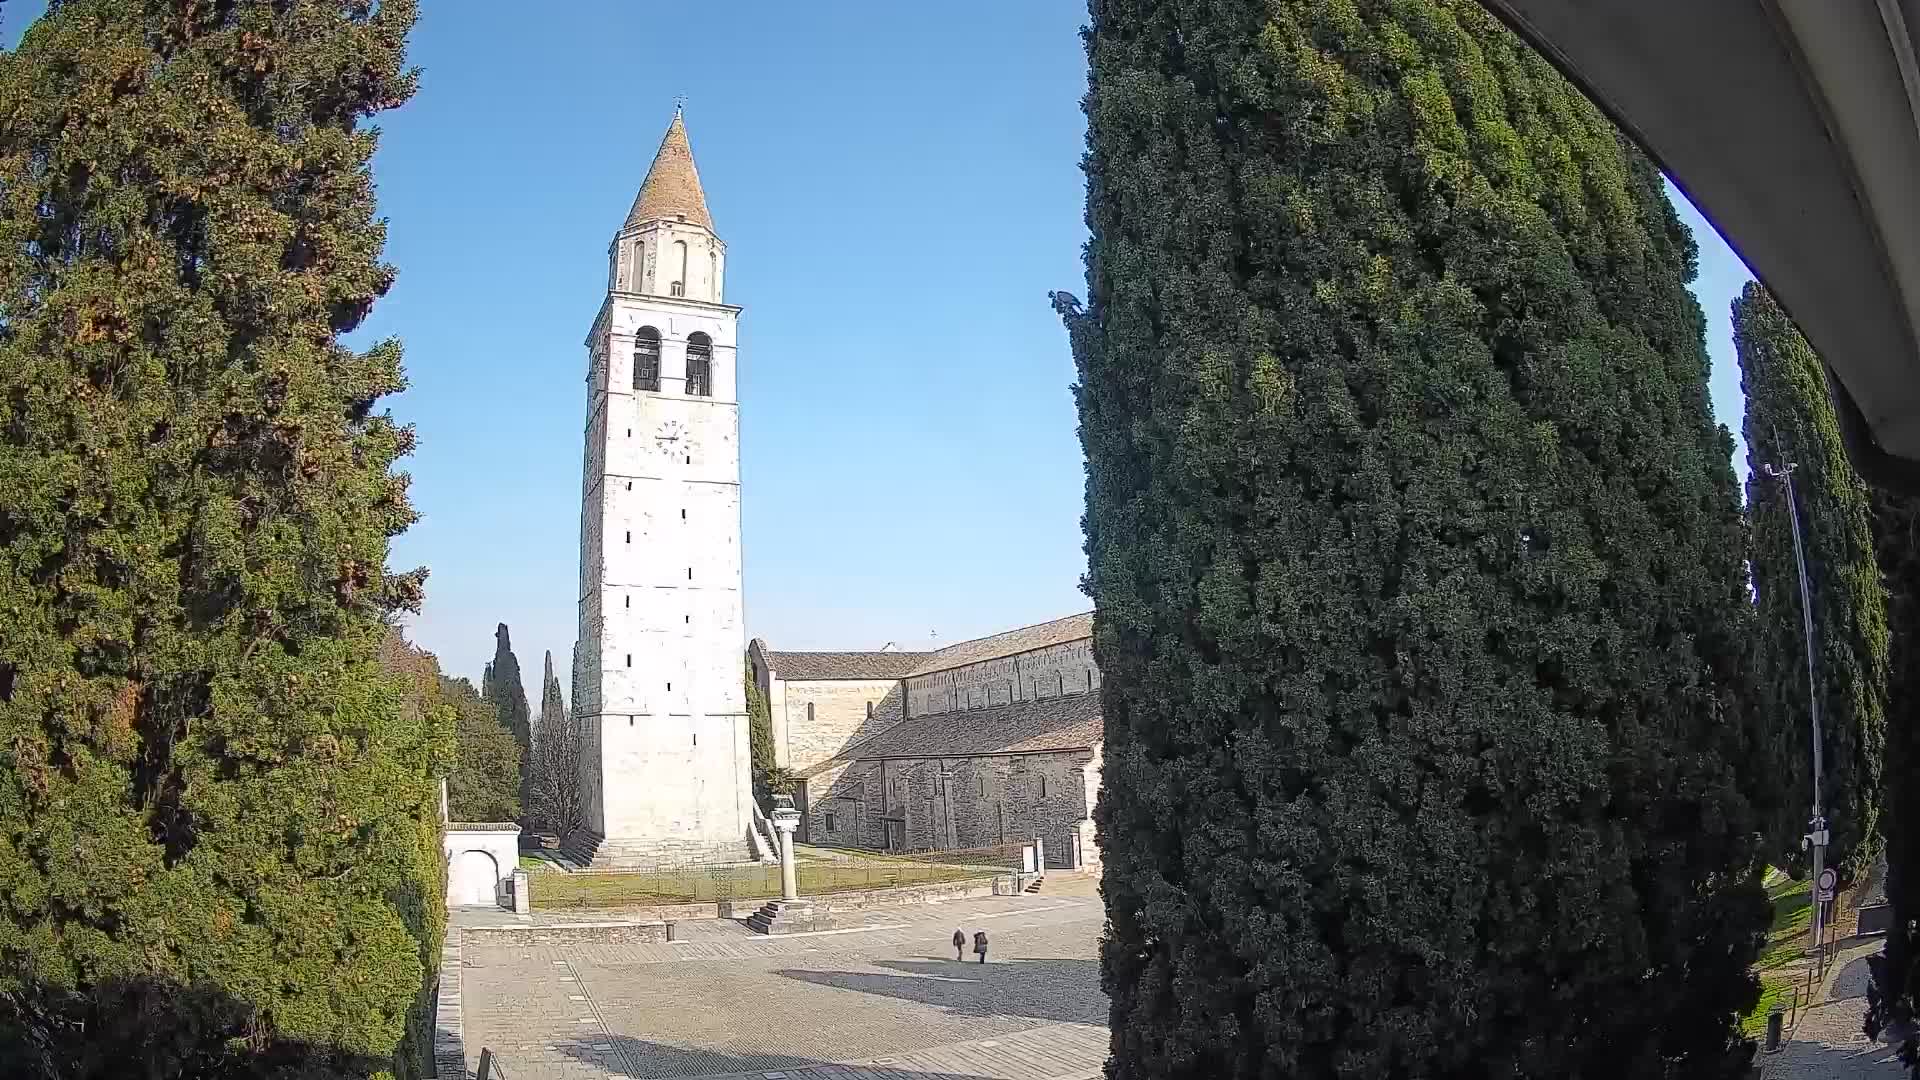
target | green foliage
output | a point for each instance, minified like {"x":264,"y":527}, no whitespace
{"x":553,"y":772}
{"x":485,"y":782}
{"x":1790,"y":419}
{"x":1896,"y":976}
{"x":207,"y":782}
{"x":759,"y":738}
{"x":1417,"y":562}
{"x":501,"y":685}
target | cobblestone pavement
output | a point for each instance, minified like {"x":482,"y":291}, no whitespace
{"x":1827,"y":1043}
{"x":887,"y":1001}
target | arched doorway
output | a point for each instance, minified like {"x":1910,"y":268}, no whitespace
{"x":472,"y":880}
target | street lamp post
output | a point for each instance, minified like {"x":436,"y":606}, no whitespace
{"x":1816,"y":839}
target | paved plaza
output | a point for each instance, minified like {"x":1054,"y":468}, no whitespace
{"x":885,"y":999}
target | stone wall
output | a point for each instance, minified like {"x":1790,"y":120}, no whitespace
{"x":1040,"y":673}
{"x":960,"y":802}
{"x":817,"y":720}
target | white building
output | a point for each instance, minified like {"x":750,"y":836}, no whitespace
{"x":657,"y":686}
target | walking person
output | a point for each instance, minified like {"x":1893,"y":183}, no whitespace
{"x":980,"y":945}
{"x":959,"y":945}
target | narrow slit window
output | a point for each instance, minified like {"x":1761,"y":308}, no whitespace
{"x":629,"y":536}
{"x":629,"y":601}
{"x":1043,"y":787}
{"x":629,"y":659}
{"x":830,"y":826}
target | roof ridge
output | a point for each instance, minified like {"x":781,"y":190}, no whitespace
{"x":1014,"y":630}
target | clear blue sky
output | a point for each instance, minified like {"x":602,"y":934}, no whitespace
{"x":898,"y":189}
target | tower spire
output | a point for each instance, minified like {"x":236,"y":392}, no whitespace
{"x":672,"y":188}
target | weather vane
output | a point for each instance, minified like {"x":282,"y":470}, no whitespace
{"x":679,"y":102}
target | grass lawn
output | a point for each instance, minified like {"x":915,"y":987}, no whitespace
{"x":533,"y":862}
{"x":564,"y":891}
{"x":1786,"y":940}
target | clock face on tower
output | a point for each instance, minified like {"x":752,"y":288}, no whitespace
{"x":675,"y":441}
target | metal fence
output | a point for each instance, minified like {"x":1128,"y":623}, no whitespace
{"x":819,"y":872}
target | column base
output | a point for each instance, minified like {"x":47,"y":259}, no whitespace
{"x":791,"y":917}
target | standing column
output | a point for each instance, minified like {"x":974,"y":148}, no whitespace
{"x":785,"y":821}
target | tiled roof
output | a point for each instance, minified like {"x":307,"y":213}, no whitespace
{"x":1069,"y":722}
{"x":672,"y":188}
{"x":815,"y":666}
{"x":1025,"y":639}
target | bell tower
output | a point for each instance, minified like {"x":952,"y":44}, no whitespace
{"x":662,"y":709}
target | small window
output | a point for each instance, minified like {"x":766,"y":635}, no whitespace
{"x":629,"y":659}
{"x":809,"y":712}
{"x":679,"y":288}
{"x":869,"y":710}
{"x":983,"y":787}
{"x":646,"y":360}
{"x":683,"y":513}
{"x":689,"y":573}
{"x":629,"y":485}
{"x":1043,"y":787}
{"x":669,"y":687}
{"x":830,"y":825}
{"x":629,"y":601}
{"x":699,"y":365}
{"x":629,"y":537}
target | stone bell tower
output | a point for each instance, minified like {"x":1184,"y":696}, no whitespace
{"x":662,"y":709}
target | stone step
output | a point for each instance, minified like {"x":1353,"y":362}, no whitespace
{"x":790,"y":917}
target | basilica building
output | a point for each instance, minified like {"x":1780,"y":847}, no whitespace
{"x":986,"y":742}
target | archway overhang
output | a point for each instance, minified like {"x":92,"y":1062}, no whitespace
{"x":1794,"y":126}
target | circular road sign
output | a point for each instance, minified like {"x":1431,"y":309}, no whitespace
{"x":1828,"y":879}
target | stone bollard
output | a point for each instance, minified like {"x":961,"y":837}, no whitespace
{"x":1775,"y":1021}
{"x":522,"y":895}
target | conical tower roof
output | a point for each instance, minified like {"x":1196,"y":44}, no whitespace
{"x":672,"y":188}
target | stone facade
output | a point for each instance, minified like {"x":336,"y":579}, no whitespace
{"x":964,"y":802}
{"x":1050,"y":671}
{"x":664,"y":758}
{"x":988,"y":742}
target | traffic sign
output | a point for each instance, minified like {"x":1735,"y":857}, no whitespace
{"x":1828,"y":879}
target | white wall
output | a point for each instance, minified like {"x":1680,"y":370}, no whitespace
{"x":660,"y":697}
{"x":501,"y":845}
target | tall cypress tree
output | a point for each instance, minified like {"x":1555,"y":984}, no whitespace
{"x":1895,"y":987}
{"x":1417,"y":562}
{"x":207,"y":781}
{"x":501,"y":685}
{"x":1790,"y":420}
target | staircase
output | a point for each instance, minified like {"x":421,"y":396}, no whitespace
{"x":1034,"y":885}
{"x":790,"y":917}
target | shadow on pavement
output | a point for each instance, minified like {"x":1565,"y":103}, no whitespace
{"x":1056,"y":991}
{"x":638,"y":1057}
{"x":1852,"y":980}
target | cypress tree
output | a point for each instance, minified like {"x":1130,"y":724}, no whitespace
{"x":1790,"y":419}
{"x":759,"y":738}
{"x":553,"y":774}
{"x":1416,"y":556}
{"x":208,"y":783}
{"x":501,"y":685}
{"x":1893,"y":991}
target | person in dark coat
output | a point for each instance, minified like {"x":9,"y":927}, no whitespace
{"x":980,"y":945}
{"x":959,"y":944}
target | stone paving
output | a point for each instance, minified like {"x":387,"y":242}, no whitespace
{"x":882,"y":1000}
{"x":1827,"y":1043}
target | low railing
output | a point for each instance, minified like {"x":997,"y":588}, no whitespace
{"x":821,"y":874}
